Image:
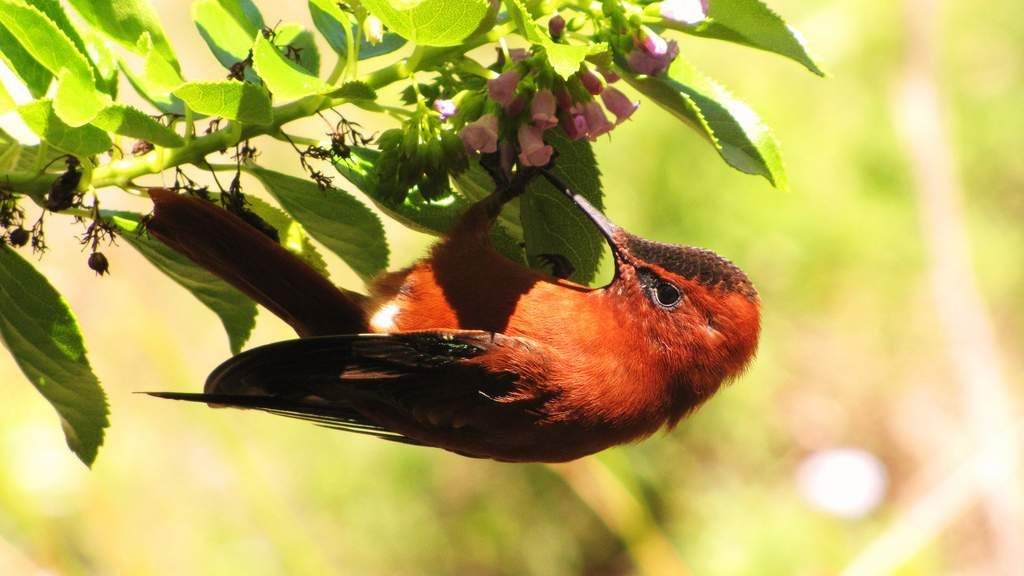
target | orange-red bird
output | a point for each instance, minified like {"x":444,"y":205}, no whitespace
{"x":471,"y":352}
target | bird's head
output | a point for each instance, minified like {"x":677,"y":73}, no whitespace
{"x":699,"y":311}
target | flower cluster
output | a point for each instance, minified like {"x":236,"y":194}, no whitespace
{"x":527,"y":99}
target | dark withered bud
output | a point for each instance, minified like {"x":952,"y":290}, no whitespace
{"x":98,"y":263}
{"x":63,"y":191}
{"x":18,"y":237}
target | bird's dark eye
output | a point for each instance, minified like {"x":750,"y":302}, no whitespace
{"x":667,"y":294}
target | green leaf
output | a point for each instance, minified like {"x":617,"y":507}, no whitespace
{"x":228,"y":99}
{"x":334,"y":218}
{"x":285,"y":79}
{"x":355,"y":90}
{"x":125,"y":21}
{"x":436,"y":217}
{"x":104,"y":62}
{"x":730,"y":125}
{"x":35,"y":76}
{"x":55,"y":12}
{"x":14,"y":157}
{"x":289,"y":35}
{"x":236,"y":311}
{"x":81,"y":141}
{"x":75,"y":102}
{"x":551,"y":224}
{"x":158,"y":79}
{"x":329,"y":18}
{"x":430,"y":22}
{"x":227,"y":27}
{"x":50,"y":47}
{"x":6,"y":102}
{"x":564,"y":58}
{"x":292,"y":236}
{"x":751,"y":23}
{"x":132,"y":122}
{"x":414,"y":211}
{"x":40,"y":331}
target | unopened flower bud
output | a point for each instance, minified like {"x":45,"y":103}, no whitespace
{"x":650,"y":41}
{"x":609,"y":76}
{"x":591,"y":82}
{"x":643,"y":62}
{"x":542,"y":110}
{"x":618,"y":104}
{"x":686,"y":11}
{"x":446,"y":108}
{"x":556,"y":26}
{"x":503,"y":88}
{"x":481,"y":135}
{"x":373,"y":30}
{"x":532,"y":149}
{"x":564,"y":99}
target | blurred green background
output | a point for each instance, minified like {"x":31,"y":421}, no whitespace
{"x":850,"y":444}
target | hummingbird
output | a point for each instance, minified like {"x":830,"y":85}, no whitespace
{"x":474,"y":353}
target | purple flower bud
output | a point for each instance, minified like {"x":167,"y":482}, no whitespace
{"x":481,"y":135}
{"x":618,"y":103}
{"x":556,"y":26}
{"x":503,"y":88}
{"x":591,"y":82}
{"x":609,"y":76}
{"x":597,"y":122}
{"x":542,"y":110}
{"x":654,"y":45}
{"x":643,"y":62}
{"x":574,"y":124}
{"x":446,"y":108}
{"x":532,"y":149}
{"x":686,"y":11}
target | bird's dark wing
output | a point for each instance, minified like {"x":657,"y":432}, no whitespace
{"x":382,"y":385}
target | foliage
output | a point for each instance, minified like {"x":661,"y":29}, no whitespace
{"x":540,"y":103}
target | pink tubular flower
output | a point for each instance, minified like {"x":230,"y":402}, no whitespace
{"x":503,"y":88}
{"x":446,"y":108}
{"x":597,"y":122}
{"x":643,"y":62}
{"x":574,"y":124}
{"x":532,"y":149}
{"x":618,"y":103}
{"x":481,"y":135}
{"x":686,"y":11}
{"x":542,"y":110}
